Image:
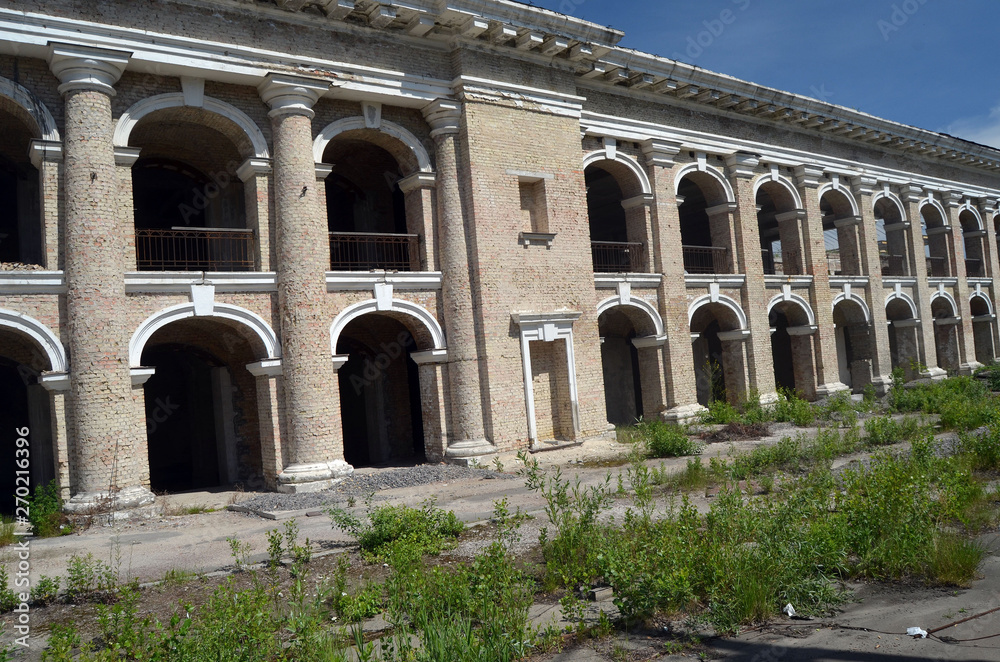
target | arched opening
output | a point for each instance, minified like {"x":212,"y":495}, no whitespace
{"x":379,"y":392}
{"x":25,"y":404}
{"x":983,"y":321}
{"x":367,"y":216}
{"x":890,"y":232}
{"x":621,"y":365}
{"x":792,"y":349}
{"x":936,"y":246}
{"x":904,"y":343}
{"x":706,"y":227}
{"x":189,"y":204}
{"x":780,"y":230}
{"x":21,"y":233}
{"x":854,"y":350}
{"x":840,"y":234}
{"x":972,"y":240}
{"x":718,"y":340}
{"x":946,"y":325}
{"x":617,"y":235}
{"x":202,"y":425}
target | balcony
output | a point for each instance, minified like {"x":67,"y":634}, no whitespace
{"x":937,"y":267}
{"x":369,"y":251}
{"x":772,"y":266}
{"x":195,"y":249}
{"x":892,"y":265}
{"x":617,"y":257}
{"x":705,"y":260}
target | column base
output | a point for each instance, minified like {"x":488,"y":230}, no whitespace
{"x":826,"y":390}
{"x":128,"y":503}
{"x":769,"y":399}
{"x":468,"y":452}
{"x":683,"y":414}
{"x":312,"y":477}
{"x":883,"y":384}
{"x":934,"y":374}
{"x":967,"y":369}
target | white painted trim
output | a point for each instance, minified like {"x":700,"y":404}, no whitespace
{"x":334,"y":129}
{"x":936,"y":204}
{"x":796,"y":281}
{"x":843,"y":190}
{"x":944,"y":294}
{"x":181,"y":311}
{"x":980,"y":295}
{"x":45,"y":123}
{"x":547,"y":327}
{"x":409,"y":308}
{"x":637,"y":281}
{"x":796,"y":299}
{"x":903,"y":296}
{"x":854,"y":297}
{"x":141,"y":375}
{"x":169,"y":282}
{"x":895,"y":200}
{"x":975,"y":212}
{"x":710,"y":171}
{"x":721,"y":299}
{"x":266,"y":368}
{"x":40,"y":333}
{"x":32,"y":282}
{"x":595,"y":158}
{"x":634,"y":302}
{"x":781,"y":181}
{"x":132,"y":116}
{"x":348,"y":281}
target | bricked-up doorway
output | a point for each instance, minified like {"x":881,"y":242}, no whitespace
{"x":904,"y":337}
{"x":379,"y":392}
{"x":946,"y":330}
{"x":621,"y":367}
{"x":201,"y":407}
{"x":717,"y":345}
{"x":854,"y":349}
{"x":24,"y":404}
{"x":189,"y":203}
{"x":983,"y":322}
{"x":20,"y":223}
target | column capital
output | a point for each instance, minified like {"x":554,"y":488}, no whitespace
{"x":660,"y":152}
{"x":952,"y":199}
{"x":444,"y":116}
{"x":86,"y":68}
{"x":253,"y":167}
{"x":45,"y":151}
{"x":987,"y":206}
{"x":864,"y":185}
{"x":291,"y":95}
{"x":911,"y":193}
{"x":808,"y":176}
{"x":742,"y":164}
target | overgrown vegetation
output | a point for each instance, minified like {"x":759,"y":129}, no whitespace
{"x":45,"y":512}
{"x":427,"y":529}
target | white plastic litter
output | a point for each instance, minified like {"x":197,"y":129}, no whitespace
{"x":790,"y":610}
{"x":916,"y":632}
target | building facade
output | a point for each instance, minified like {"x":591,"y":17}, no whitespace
{"x":267,"y":241}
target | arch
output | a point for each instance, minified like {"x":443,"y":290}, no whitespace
{"x":161,"y":318}
{"x":893,"y":199}
{"x":129,"y":119}
{"x":334,"y":129}
{"x":32,"y":105}
{"x":595,"y":158}
{"x":966,"y":207}
{"x":40,"y":333}
{"x":784,"y":182}
{"x":905,"y":298}
{"x":854,"y":298}
{"x":648,"y":309}
{"x":980,"y":295}
{"x":931,"y":202}
{"x":693,"y":168}
{"x":836,"y":187}
{"x":942,"y":294}
{"x":722,"y":299}
{"x":796,"y":299}
{"x":408,"y":308}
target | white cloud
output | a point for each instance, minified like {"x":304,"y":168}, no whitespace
{"x":983,"y":129}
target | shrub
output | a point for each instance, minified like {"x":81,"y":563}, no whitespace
{"x":427,"y":530}
{"x":955,"y":560}
{"x":984,"y":448}
{"x":45,"y":590}
{"x":88,"y":578}
{"x":8,"y":598}
{"x":663,"y":440}
{"x":720,"y":411}
{"x":793,"y":409}
{"x":45,"y":511}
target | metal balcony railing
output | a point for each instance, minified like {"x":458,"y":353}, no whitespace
{"x":706,"y":260}
{"x":772,"y":266}
{"x":937,"y":267}
{"x":367,"y":251}
{"x":615,"y":257}
{"x":974,"y":268}
{"x":893,"y":265}
{"x":194,"y":249}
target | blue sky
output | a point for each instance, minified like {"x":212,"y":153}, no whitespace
{"x":929,"y":63}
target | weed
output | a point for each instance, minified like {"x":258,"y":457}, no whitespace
{"x":427,"y":530}
{"x":45,"y":590}
{"x":8,"y":598}
{"x":177,"y":576}
{"x":45,"y":512}
{"x":89,"y":579}
{"x":240,"y":551}
{"x":955,"y":560}
{"x":7,"y":530}
{"x":791,"y":408}
{"x":663,"y":440}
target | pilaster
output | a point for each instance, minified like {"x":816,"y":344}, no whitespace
{"x":966,"y":335}
{"x":871,"y":264}
{"x":912,"y":197}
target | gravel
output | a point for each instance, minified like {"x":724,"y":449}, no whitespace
{"x":360,"y":485}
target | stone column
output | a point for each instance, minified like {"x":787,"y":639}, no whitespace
{"x":987,"y":208}
{"x":967,"y":362}
{"x":269,"y":418}
{"x":912,"y":197}
{"x":746,"y":234}
{"x":456,"y":248}
{"x":255,"y":174}
{"x":418,"y":190}
{"x":871,"y":264}
{"x":125,"y":158}
{"x":733,"y":364}
{"x":313,"y":439}
{"x":47,"y":157}
{"x":790,"y":233}
{"x":680,"y":378}
{"x":821,"y":296}
{"x":803,"y":356}
{"x":652,"y":365}
{"x":106,"y":463}
{"x":433,"y":407}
